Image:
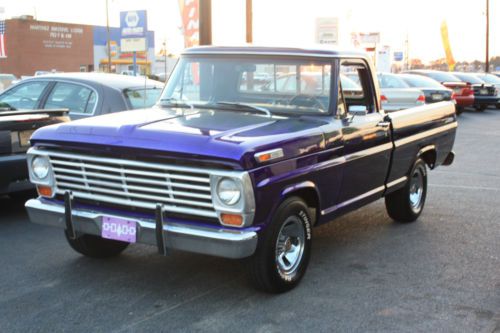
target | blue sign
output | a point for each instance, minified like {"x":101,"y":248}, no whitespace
{"x":398,"y":56}
{"x":133,"y":24}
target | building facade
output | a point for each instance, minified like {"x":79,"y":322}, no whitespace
{"x":32,"y":45}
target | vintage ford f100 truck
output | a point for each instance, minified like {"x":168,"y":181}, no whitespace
{"x":246,"y":151}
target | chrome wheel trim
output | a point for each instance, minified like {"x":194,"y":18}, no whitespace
{"x":416,"y":189}
{"x":290,"y":245}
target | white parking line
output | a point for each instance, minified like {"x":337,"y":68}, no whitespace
{"x":479,"y":188}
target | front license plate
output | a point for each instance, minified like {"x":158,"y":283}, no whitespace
{"x":119,"y":229}
{"x":483,"y":91}
{"x":437,"y":97}
{"x":24,"y":137}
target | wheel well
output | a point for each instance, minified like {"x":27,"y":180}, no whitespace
{"x":429,"y":157}
{"x":310,"y":197}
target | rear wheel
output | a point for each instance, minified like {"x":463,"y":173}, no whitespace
{"x":282,"y":256}
{"x":407,"y":203}
{"x":459,"y":110}
{"x":95,"y":246}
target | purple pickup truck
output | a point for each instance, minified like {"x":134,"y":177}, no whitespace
{"x":246,"y":151}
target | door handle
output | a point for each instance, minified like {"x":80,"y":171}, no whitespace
{"x":384,"y":124}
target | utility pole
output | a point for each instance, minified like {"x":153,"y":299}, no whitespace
{"x":487,"y":62}
{"x":205,"y":22}
{"x":108,"y":37}
{"x":249,"y":21}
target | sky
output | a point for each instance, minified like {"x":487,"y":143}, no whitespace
{"x":292,"y":22}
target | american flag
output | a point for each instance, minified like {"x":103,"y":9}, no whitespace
{"x":3,"y":53}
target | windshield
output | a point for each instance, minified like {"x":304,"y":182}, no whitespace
{"x":286,"y":85}
{"x":142,"y":98}
{"x":443,"y":77}
{"x":388,"y":81}
{"x":469,"y":78}
{"x":418,"y":81}
{"x":489,"y":78}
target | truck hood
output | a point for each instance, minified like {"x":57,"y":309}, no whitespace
{"x":233,"y":136}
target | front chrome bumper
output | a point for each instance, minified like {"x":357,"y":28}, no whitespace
{"x":219,"y":242}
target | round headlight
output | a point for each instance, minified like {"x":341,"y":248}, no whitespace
{"x":228,"y":191}
{"x":40,"y":167}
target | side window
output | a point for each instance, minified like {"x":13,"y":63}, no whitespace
{"x":75,"y":97}
{"x":356,"y":84}
{"x":24,"y":96}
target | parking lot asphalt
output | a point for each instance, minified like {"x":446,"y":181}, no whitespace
{"x":367,"y":273}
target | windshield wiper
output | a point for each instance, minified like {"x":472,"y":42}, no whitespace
{"x":248,"y":107}
{"x":175,"y":103}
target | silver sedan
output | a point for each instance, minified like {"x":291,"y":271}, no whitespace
{"x":397,"y":94}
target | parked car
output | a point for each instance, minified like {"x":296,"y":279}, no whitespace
{"x":433,"y":90}
{"x":485,"y":94}
{"x":16,"y":128}
{"x":84,"y":94}
{"x":240,"y":172}
{"x":464,"y":94}
{"x":491,"y":79}
{"x":396,"y":94}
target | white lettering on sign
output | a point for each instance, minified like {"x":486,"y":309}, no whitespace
{"x":58,"y":36}
{"x":38,"y":27}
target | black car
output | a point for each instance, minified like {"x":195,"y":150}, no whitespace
{"x":485,"y":94}
{"x":84,"y":94}
{"x":433,"y":90}
{"x":16,"y":128}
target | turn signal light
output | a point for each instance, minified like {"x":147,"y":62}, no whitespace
{"x":232,"y":220}
{"x":383,"y":99}
{"x":44,"y":191}
{"x":421,"y":98}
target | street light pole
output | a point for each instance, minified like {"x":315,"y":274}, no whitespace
{"x":108,"y":37}
{"x":487,"y":62}
{"x":249,"y":21}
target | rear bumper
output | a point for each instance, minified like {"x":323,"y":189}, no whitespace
{"x":220,"y":242}
{"x":464,"y":101}
{"x":486,"y":100}
{"x":14,"y":174}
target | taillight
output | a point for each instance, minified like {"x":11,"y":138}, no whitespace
{"x":383,"y":99}
{"x":453,"y":96}
{"x":421,"y":99}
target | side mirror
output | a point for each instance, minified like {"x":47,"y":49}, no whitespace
{"x":358,"y":110}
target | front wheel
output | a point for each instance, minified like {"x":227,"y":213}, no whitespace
{"x":95,"y":246}
{"x":282,"y":256}
{"x":407,"y":203}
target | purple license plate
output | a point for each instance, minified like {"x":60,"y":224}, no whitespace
{"x":119,"y":229}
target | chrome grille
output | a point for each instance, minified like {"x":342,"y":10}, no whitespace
{"x":133,"y":183}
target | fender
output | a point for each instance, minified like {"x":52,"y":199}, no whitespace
{"x":299,"y":186}
{"x":429,"y":155}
